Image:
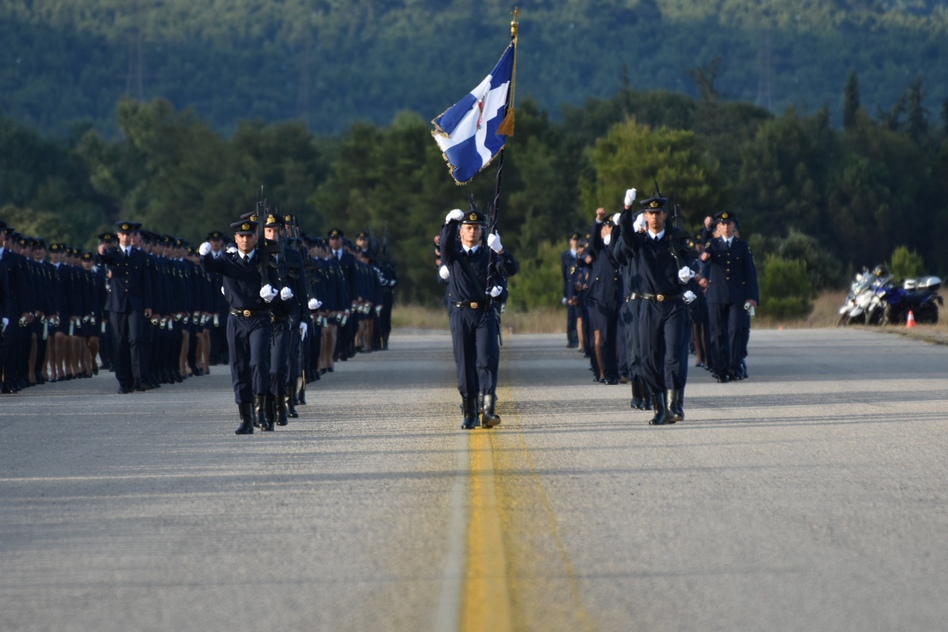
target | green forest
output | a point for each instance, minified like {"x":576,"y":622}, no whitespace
{"x":821,"y":188}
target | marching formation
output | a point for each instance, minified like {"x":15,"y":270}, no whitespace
{"x":276,"y":305}
{"x":642,"y":294}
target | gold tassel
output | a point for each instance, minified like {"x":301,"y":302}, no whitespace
{"x":506,"y":127}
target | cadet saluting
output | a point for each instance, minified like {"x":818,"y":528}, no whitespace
{"x":662,"y":317}
{"x":249,"y":295}
{"x":476,"y":279}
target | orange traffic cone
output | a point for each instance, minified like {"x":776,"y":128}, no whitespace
{"x":910,"y":321}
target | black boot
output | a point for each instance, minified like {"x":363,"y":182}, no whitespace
{"x":658,"y":404}
{"x":469,"y":410}
{"x":260,"y":413}
{"x":301,"y":398}
{"x":676,"y":411}
{"x":246,"y":418}
{"x":281,"y":409}
{"x":290,"y":408}
{"x":490,"y":419}
{"x":638,"y":390}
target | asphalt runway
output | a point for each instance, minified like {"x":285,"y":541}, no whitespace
{"x":811,"y":496}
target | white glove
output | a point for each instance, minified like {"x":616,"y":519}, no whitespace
{"x":222,"y":291}
{"x":204,"y":248}
{"x":303,"y":328}
{"x":639,"y":224}
{"x":629,"y":197}
{"x":496,"y":291}
{"x":607,"y":239}
{"x":689,"y":296}
{"x":267,"y":293}
{"x":232,"y":249}
{"x":443,"y":272}
{"x":565,"y":301}
{"x":615,"y":218}
{"x":286,"y":294}
{"x":5,"y":321}
{"x":686,"y":274}
{"x":314,"y":304}
{"x":456,"y":215}
{"x":493,"y":242}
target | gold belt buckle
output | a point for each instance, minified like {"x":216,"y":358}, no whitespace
{"x":247,"y":313}
{"x":660,"y":297}
{"x":473,"y":305}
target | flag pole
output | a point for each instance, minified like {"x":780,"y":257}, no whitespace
{"x":507,"y":129}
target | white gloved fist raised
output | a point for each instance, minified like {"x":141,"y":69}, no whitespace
{"x":267,"y":293}
{"x":304,"y":327}
{"x":629,"y":197}
{"x":443,"y":272}
{"x":496,"y":291}
{"x":456,"y":215}
{"x":689,"y":296}
{"x":607,"y":239}
{"x":615,"y":218}
{"x":493,"y":242}
{"x":686,"y":274}
{"x":314,"y":304}
{"x":5,"y":321}
{"x":639,"y":224}
{"x":286,"y":294}
{"x":204,"y":248}
{"x":232,"y":249}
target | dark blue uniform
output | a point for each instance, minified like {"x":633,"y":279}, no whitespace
{"x":474,"y":323}
{"x":732,"y":281}
{"x":248,"y":330}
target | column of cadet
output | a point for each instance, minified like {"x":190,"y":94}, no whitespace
{"x":155,"y":311}
{"x":642,"y":295}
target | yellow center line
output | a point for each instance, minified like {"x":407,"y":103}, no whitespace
{"x":502,"y":538}
{"x":486,"y":599}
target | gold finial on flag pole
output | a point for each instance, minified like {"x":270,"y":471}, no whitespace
{"x":514,"y":24}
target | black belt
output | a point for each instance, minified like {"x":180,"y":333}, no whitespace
{"x":472,"y":304}
{"x":249,"y":313}
{"x":645,"y":296}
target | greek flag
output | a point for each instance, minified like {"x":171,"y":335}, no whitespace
{"x":467,"y":132}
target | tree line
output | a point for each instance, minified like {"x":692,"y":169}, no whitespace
{"x":330,"y":63}
{"x":816,"y":201}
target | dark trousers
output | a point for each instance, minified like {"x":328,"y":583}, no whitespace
{"x":476,"y":350}
{"x":629,"y":313}
{"x":128,"y":344}
{"x":662,"y":332}
{"x":727,"y":335}
{"x":280,"y":356}
{"x":572,"y":338}
{"x":248,"y":341}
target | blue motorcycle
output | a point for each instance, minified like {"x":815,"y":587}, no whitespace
{"x":919,"y":296}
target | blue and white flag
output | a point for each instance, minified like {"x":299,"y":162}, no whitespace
{"x":467,"y":132}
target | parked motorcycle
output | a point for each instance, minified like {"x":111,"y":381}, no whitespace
{"x":919,"y":296}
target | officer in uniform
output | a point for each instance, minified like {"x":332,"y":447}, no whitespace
{"x":661,"y":258}
{"x":603,"y":301}
{"x":732,"y":289}
{"x":568,"y":261}
{"x":476,"y":279}
{"x":250,"y":286}
{"x":16,"y":336}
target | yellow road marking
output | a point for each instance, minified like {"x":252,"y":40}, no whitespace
{"x":486,"y":600}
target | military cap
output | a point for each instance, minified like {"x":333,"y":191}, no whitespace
{"x":166,"y":240}
{"x":245,"y":227}
{"x":273,"y":221}
{"x":128,"y":227}
{"x":724,"y":216}
{"x":473,"y":217}
{"x":335,"y":233}
{"x":107,"y":236}
{"x":7,"y":230}
{"x":252,"y":216}
{"x":180,"y":243}
{"x":654,"y":204}
{"x":23,"y":240}
{"x":362,"y":235}
{"x":57,"y":247}
{"x":87,"y":256}
{"x":575,"y":235}
{"x":215,"y":235}
{"x":289,"y":219}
